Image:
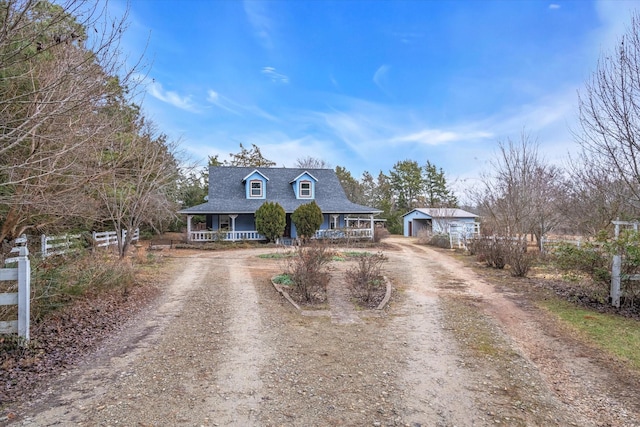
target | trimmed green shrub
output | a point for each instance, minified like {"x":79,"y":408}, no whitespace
{"x":307,"y":219}
{"x":271,"y":220}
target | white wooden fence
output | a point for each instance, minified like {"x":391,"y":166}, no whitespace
{"x":547,"y":243}
{"x":21,"y":274}
{"x":58,"y":245}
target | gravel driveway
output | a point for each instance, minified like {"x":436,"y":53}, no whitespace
{"x":222,"y":347}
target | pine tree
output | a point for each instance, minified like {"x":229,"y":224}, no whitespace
{"x":436,"y":192}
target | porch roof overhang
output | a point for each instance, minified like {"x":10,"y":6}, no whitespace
{"x":251,"y":206}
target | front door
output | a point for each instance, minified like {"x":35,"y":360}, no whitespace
{"x":287,"y":227}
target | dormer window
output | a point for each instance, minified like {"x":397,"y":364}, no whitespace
{"x":256,"y":188}
{"x":255,"y":185}
{"x":304,"y":186}
{"x":305,"y":189}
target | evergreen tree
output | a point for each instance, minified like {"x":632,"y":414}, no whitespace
{"x":436,"y":192}
{"x":307,"y":218}
{"x":271,"y":220}
{"x":350,"y":185}
{"x":407,"y":183}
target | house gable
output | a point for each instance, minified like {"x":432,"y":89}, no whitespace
{"x":255,"y":185}
{"x":304,"y":186}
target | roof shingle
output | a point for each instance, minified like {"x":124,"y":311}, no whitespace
{"x":227,"y":192}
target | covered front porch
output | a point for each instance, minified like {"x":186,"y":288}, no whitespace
{"x":234,"y":227}
{"x":224,"y":230}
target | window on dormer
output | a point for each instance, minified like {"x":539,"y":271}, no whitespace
{"x":256,"y":188}
{"x":305,"y":189}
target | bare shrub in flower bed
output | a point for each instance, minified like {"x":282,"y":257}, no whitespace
{"x":307,"y":271}
{"x":366,"y":280}
{"x":520,"y":260}
{"x":490,"y":250}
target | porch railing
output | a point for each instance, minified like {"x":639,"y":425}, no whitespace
{"x":344,"y":233}
{"x":231,"y":236}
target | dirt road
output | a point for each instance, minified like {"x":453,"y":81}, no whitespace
{"x":222,"y":347}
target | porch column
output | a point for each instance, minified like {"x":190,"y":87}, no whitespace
{"x":372,"y":226}
{"x":189,"y":227}
{"x":233,"y":226}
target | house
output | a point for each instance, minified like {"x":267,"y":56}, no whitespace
{"x":236,"y":193}
{"x":450,"y":221}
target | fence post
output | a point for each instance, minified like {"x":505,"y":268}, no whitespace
{"x":43,"y":245}
{"x":615,"y":281}
{"x":24,"y":286}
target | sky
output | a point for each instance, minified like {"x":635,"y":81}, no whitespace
{"x":366,"y":84}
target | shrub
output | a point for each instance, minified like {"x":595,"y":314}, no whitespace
{"x":271,"y":220}
{"x":58,"y":281}
{"x":588,"y":259}
{"x":366,"y":277}
{"x":283,"y":279}
{"x":519,"y":259}
{"x":306,"y":270}
{"x":307,"y":219}
{"x":440,"y":241}
{"x":380,"y":233}
{"x":490,"y":250}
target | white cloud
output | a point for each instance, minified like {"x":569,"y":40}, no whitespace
{"x":615,"y":17}
{"x":334,"y":82}
{"x":380,"y":78}
{"x":212,"y":96}
{"x":274,"y":76}
{"x":227,"y":104}
{"x":156,"y":90}
{"x":438,"y":137}
{"x":260,"y":21}
{"x":554,"y":6}
{"x":221,"y":102}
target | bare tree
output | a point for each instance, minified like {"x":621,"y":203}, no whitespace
{"x":523,"y":194}
{"x":141,"y":185}
{"x":248,"y":157}
{"x":309,"y":162}
{"x":594,"y":198}
{"x":610,"y":118}
{"x":56,"y":89}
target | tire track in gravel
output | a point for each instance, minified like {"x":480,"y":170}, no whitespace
{"x":239,"y":386}
{"x":94,"y":393}
{"x":575,"y":385}
{"x":435,"y":385}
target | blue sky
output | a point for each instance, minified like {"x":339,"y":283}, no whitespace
{"x":365,"y":84}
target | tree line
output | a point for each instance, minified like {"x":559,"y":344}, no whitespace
{"x":75,"y":149}
{"x":77,"y":152}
